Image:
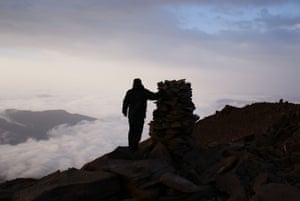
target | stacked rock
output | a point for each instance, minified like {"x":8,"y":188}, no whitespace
{"x":173,"y":120}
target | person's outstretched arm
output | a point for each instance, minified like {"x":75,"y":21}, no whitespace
{"x":151,"y":95}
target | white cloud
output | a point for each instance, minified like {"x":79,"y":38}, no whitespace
{"x":297,"y":26}
{"x":67,"y":147}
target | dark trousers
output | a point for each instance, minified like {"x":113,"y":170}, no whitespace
{"x":136,"y":126}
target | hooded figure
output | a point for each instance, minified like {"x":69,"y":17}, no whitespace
{"x":134,"y":106}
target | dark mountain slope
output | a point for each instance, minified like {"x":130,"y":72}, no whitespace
{"x":231,"y":123}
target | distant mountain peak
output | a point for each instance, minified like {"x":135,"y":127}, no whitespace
{"x":16,"y":126}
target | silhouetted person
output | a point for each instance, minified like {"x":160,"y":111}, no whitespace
{"x":134,"y":106}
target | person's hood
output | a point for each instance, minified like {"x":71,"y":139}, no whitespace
{"x":137,"y":84}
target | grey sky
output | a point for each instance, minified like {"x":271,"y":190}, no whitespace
{"x":251,"y":46}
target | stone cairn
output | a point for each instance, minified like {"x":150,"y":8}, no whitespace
{"x":173,"y":120}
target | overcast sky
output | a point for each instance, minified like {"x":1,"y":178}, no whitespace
{"x":222,"y":47}
{"x":82,"y":55}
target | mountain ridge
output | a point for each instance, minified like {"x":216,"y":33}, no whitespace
{"x":16,"y":126}
{"x":253,"y":119}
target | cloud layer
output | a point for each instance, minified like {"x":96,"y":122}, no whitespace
{"x":67,"y":147}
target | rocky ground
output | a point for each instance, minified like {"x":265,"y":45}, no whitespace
{"x":238,"y":154}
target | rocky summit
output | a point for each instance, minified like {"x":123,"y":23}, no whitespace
{"x":238,"y":154}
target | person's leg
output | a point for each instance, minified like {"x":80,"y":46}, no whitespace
{"x":131,"y":134}
{"x":135,"y":133}
{"x":139,"y":131}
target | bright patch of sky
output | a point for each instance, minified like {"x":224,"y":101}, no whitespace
{"x":23,"y":53}
{"x":297,"y":26}
{"x":215,"y":19}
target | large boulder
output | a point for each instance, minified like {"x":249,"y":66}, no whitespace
{"x":73,"y":184}
{"x":231,"y":184}
{"x":276,"y":192}
{"x":8,"y":188}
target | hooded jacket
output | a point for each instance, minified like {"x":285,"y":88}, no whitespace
{"x":135,"y":101}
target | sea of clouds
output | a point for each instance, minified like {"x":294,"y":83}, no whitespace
{"x":67,"y":146}
{"x":73,"y":146}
